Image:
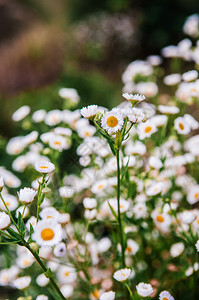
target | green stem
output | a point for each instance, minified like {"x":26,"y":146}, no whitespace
{"x":36,"y":256}
{"x":128,"y":288}
{"x":40,"y":195}
{"x":118,"y":208}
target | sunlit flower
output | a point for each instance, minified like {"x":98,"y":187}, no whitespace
{"x":176,"y":249}
{"x":146,"y":129}
{"x":132,"y":247}
{"x":11,"y":202}
{"x":134,"y":98}
{"x":53,"y":117}
{"x":49,"y":213}
{"x":144,"y":289}
{"x":122,"y":274}
{"x":66,"y":274}
{"x":112,"y":121}
{"x":47,"y":233}
{"x":59,"y":143}
{"x":69,"y":94}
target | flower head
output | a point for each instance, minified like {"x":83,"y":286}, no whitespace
{"x":44,"y":166}
{"x":108,"y":296}
{"x":4,"y":220}
{"x":26,"y":195}
{"x":122,"y":274}
{"x":165,"y":295}
{"x":134,"y":98}
{"x":47,"y":233}
{"x":144,"y":289}
{"x":112,"y":121}
{"x":89,"y":111}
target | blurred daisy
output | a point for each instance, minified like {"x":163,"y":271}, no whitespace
{"x":47,"y":233}
{"x":89,"y":111}
{"x":49,"y":213}
{"x":144,"y":289}
{"x":146,"y":129}
{"x":197,"y":245}
{"x":122,"y":274}
{"x":66,"y":274}
{"x":22,"y":282}
{"x":21,"y":113}
{"x":132,"y":247}
{"x":112,"y":121}
{"x":4,"y":220}
{"x":53,"y":117}
{"x":165,"y":109}
{"x":59,"y":143}
{"x":44,"y":166}
{"x":134,"y":98}
{"x":108,"y":296}
{"x":66,"y":192}
{"x":181,"y":126}
{"x":165,"y":295}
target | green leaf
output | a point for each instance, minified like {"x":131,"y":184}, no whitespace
{"x":113,"y":212}
{"x":118,"y":140}
{"x":124,"y":170}
{"x":48,"y":273}
{"x":13,"y":233}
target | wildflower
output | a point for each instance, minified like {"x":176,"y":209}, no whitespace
{"x":85,"y":161}
{"x":66,"y":192}
{"x":155,"y":162}
{"x":42,"y":280}
{"x":181,"y":126}
{"x":176,"y":249}
{"x":90,"y":214}
{"x":44,"y":166}
{"x":122,"y":274}
{"x":67,"y":290}
{"x":165,"y":295}
{"x":136,"y":115}
{"x":99,"y":186}
{"x":132,"y":247}
{"x":21,"y":113}
{"x":144,"y":289}
{"x":4,"y":220}
{"x":69,"y":94}
{"x":22,"y":210}
{"x":154,"y":189}
{"x":63,"y":131}
{"x":58,"y":142}
{"x":1,"y":183}
{"x":39,"y":115}
{"x":146,"y":129}
{"x":165,"y":109}
{"x":25,"y":261}
{"x":149,"y":89}
{"x":11,"y":202}
{"x":89,"y":203}
{"x":53,"y":117}
{"x":26,"y":195}
{"x":191,"y":26}
{"x":193,"y":194}
{"x":172,"y":79}
{"x":42,"y":297}
{"x":66,"y":274}
{"x":47,"y":233}
{"x":191,"y":121}
{"x":86,"y":131}
{"x":89,"y":112}
{"x":108,"y":296}
{"x":15,"y":145}
{"x":49,"y":213}
{"x":133,"y":98}
{"x":103,"y":245}
{"x":60,"y":250}
{"x":197,"y":245}
{"x":22,"y":282}
{"x":112,"y":121}
{"x":190,"y":75}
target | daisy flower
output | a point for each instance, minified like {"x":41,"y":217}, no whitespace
{"x":26,"y":195}
{"x":132,"y":247}
{"x":144,"y":289}
{"x":146,"y":129}
{"x":165,"y":109}
{"x":89,"y":111}
{"x":22,"y":282}
{"x":49,"y":213}
{"x":66,"y":274}
{"x":122,"y":274}
{"x":67,"y":290}
{"x":136,"y":115}
{"x":4,"y":220}
{"x":134,"y":98}
{"x":42,"y":297}
{"x":176,"y":249}
{"x":112,"y":121}
{"x":181,"y":126}
{"x":39,"y":115}
{"x":69,"y":94}
{"x":10,"y":201}
{"x":44,"y":166}
{"x":66,"y":192}
{"x":47,"y":233}
{"x":197,"y":245}
{"x":165,"y":295}
{"x":58,"y":142}
{"x":108,"y":296}
{"x":21,"y":113}
{"x":54,"y":117}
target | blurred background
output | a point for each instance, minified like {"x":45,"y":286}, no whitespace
{"x":86,"y":45}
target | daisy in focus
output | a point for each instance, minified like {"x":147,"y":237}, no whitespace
{"x":112,"y":121}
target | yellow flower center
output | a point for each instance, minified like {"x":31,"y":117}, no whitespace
{"x":47,"y":234}
{"x":26,"y":262}
{"x":198,"y":221}
{"x":96,"y":294}
{"x":43,"y":167}
{"x":66,"y":273}
{"x":181,"y":126}
{"x":128,"y":249}
{"x":7,"y":203}
{"x":57,"y":143}
{"x":148,"y":129}
{"x":160,"y":219}
{"x":165,"y":298}
{"x":100,"y":186}
{"x":112,"y":121}
{"x":196,"y":195}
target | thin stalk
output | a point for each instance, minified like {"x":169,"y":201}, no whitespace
{"x":128,"y":288}
{"x":118,"y":208}
{"x":36,"y":256}
{"x":40,"y":195}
